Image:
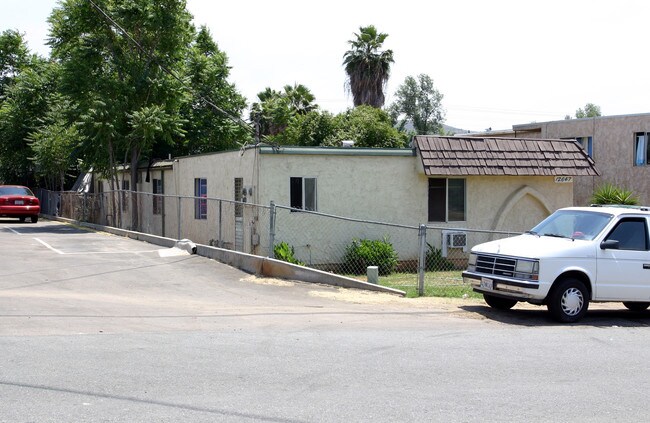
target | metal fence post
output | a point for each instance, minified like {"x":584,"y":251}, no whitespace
{"x":272,"y":230}
{"x":220,"y":236}
{"x":422,"y":238}
{"x":84,"y":204}
{"x":179,"y":218}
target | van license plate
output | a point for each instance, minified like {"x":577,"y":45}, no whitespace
{"x":487,"y":283}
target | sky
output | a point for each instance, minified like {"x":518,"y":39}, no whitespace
{"x":498,"y":63}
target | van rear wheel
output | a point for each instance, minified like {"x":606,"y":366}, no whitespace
{"x":499,"y":303}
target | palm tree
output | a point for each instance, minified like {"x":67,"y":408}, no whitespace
{"x":367,"y":67}
{"x":300,"y":98}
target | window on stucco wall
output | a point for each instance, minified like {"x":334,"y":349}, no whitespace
{"x":641,"y":149}
{"x":446,"y":200}
{"x":157,"y":198}
{"x":200,"y":203}
{"x":587,"y":144}
{"x":302,"y":192}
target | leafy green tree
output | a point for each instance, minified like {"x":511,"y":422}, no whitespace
{"x":367,"y":126}
{"x":590,"y":110}
{"x":54,"y":144}
{"x":125,"y":56}
{"x":25,"y":103}
{"x":275,"y":109}
{"x":14,"y":57}
{"x":271,"y":114}
{"x":309,"y":129}
{"x":211,"y":112}
{"x":420,"y":103}
{"x":367,"y":67}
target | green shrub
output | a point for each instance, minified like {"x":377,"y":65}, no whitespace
{"x":611,"y":194}
{"x":363,"y":253}
{"x":285,"y":252}
{"x":435,"y":261}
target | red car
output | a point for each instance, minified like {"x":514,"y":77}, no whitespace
{"x":20,"y":202}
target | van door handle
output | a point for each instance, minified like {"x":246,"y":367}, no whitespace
{"x":646,"y":266}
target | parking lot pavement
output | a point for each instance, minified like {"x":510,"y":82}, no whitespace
{"x":58,"y":278}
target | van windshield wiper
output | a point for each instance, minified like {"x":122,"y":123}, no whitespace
{"x":531,"y":233}
{"x":556,"y":235}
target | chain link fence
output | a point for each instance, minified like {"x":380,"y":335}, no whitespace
{"x":422,"y":260}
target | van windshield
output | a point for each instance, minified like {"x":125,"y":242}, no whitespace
{"x":576,"y":224}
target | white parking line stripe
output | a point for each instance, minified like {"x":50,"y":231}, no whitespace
{"x":110,"y":252}
{"x":96,"y":252}
{"x":49,"y":246}
{"x":12,"y":230}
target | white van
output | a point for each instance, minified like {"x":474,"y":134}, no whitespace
{"x":574,"y":256}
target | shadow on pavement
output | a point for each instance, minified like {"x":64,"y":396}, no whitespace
{"x":28,"y":228}
{"x":539,"y":316}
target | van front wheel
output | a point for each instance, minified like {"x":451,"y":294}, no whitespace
{"x":568,"y":301}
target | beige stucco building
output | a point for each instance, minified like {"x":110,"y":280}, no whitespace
{"x":443,"y":182}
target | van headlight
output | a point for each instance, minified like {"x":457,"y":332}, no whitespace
{"x":527,"y":269}
{"x":471,"y":262}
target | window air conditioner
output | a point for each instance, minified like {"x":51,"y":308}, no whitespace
{"x":453,"y":239}
{"x":456,"y":239}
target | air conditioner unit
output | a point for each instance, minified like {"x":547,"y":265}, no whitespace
{"x":456,"y":239}
{"x":453,"y":239}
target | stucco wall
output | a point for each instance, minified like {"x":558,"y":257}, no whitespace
{"x":367,"y":187}
{"x":220,"y":171}
{"x":613,"y":152}
{"x":507,"y":203}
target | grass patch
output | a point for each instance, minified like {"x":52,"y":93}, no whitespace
{"x":436,"y":284}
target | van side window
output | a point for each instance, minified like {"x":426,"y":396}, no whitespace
{"x":631,"y":233}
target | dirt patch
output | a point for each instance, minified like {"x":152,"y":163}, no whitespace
{"x":268,"y":281}
{"x":359,"y":296}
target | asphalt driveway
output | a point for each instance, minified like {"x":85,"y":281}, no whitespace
{"x":98,"y":328}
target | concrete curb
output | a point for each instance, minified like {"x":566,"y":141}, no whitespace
{"x":249,"y":263}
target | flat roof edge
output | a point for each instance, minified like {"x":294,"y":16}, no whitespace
{"x":338,"y":151}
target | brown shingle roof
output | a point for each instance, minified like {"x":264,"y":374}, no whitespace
{"x":502,"y":156}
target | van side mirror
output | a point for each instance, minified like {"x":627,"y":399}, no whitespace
{"x":610,"y":244}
